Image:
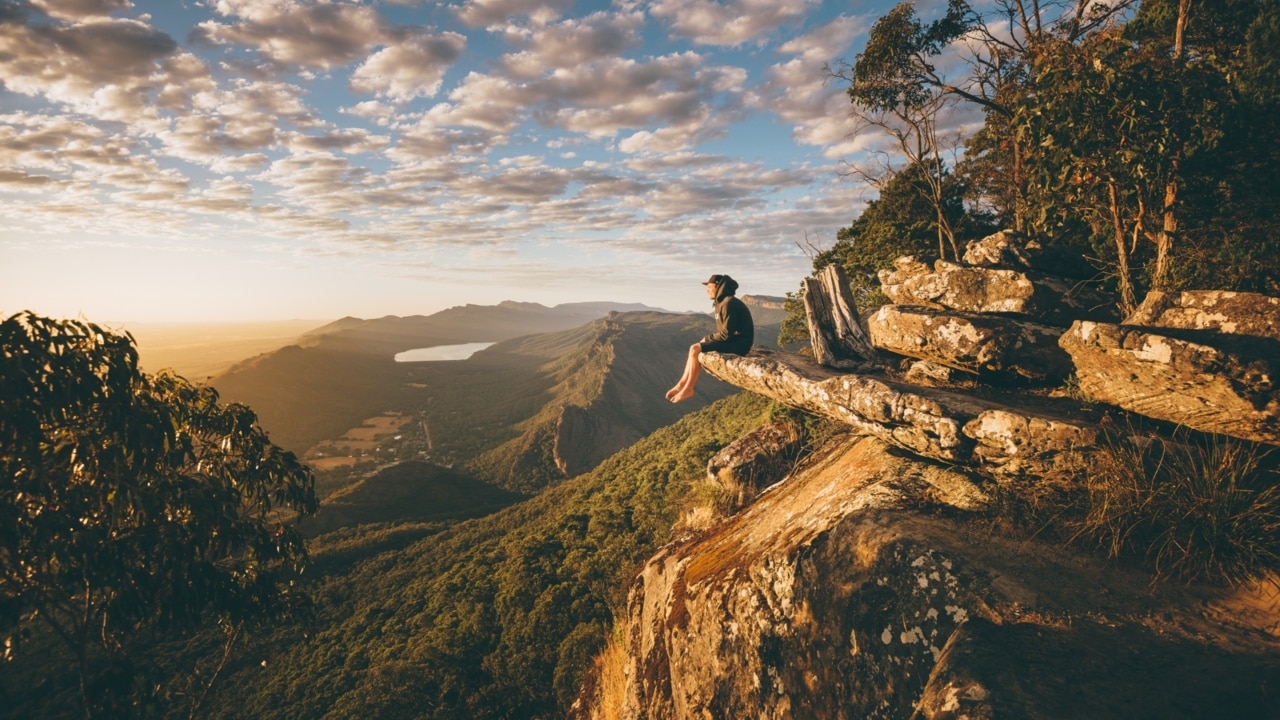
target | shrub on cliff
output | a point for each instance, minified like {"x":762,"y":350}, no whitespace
{"x":1197,"y":508}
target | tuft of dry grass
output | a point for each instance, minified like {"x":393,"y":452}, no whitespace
{"x":612,"y":676}
{"x":1196,"y":507}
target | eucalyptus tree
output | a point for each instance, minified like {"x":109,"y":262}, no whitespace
{"x":133,"y":507}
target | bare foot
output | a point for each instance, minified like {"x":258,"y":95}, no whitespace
{"x":673,"y":392}
{"x":683,"y":395}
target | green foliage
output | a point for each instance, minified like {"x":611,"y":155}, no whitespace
{"x":132,"y":505}
{"x":412,"y":491}
{"x":1196,"y":508}
{"x":491,"y":618}
{"x":901,"y":221}
{"x":894,"y":69}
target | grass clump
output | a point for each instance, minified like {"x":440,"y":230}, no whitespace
{"x":1197,"y":508}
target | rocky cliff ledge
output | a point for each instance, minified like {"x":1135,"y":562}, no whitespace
{"x":872,"y":581}
{"x":854,"y":589}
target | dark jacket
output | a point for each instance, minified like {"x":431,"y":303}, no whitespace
{"x":735,"y":330}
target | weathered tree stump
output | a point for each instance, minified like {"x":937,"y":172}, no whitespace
{"x":835,"y":331}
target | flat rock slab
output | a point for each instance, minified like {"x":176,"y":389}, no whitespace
{"x":1184,"y":382}
{"x":1229,"y":313}
{"x":968,"y":288}
{"x":935,"y":423}
{"x":980,"y":344}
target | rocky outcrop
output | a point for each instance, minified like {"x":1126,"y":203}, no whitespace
{"x":979,"y":344}
{"x":1207,"y":360}
{"x":1212,"y":389}
{"x":756,"y":460}
{"x":1011,"y":249}
{"x":834,"y":596}
{"x":871,"y":583}
{"x":1004,"y":434}
{"x":985,"y":290}
{"x":1218,"y":312}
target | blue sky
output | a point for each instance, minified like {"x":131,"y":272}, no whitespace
{"x":272,"y":159}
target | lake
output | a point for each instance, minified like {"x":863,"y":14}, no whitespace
{"x":441,"y":352}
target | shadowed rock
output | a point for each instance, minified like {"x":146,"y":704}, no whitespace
{"x":1228,"y":313}
{"x":832,"y":596}
{"x":989,"y":290}
{"x":756,"y":460}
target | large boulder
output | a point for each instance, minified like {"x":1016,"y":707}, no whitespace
{"x":756,"y":460}
{"x":981,"y":344}
{"x":1211,"y":311}
{"x":840,"y":594}
{"x":1011,"y":249}
{"x":1217,"y":390}
{"x":913,"y":281}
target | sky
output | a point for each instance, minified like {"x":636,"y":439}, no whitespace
{"x":238,"y":160}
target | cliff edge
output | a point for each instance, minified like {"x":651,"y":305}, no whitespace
{"x":880,"y":577}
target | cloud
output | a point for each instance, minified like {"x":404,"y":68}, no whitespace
{"x":315,"y":33}
{"x":485,"y":13}
{"x":571,"y":43}
{"x":248,"y":116}
{"x":410,"y":67}
{"x":77,"y":9}
{"x":349,"y":140}
{"x":103,"y":67}
{"x":802,"y":93}
{"x":711,"y":23}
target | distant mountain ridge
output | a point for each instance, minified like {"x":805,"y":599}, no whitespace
{"x":344,"y":372}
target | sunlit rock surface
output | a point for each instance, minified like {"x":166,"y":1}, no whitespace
{"x":1227,"y":390}
{"x":850,"y":591}
{"x":980,"y":344}
{"x":1005,"y":434}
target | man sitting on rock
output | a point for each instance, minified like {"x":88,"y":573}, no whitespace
{"x":734,"y":334}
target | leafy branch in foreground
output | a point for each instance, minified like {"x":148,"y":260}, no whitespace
{"x":132,"y":506}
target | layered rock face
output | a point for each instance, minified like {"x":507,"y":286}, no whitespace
{"x":1206,"y":360}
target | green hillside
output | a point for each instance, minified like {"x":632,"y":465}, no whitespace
{"x":490,"y":618}
{"x":601,"y":389}
{"x":408,"y":491}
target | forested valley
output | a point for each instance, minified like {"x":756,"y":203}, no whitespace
{"x":152,"y":562}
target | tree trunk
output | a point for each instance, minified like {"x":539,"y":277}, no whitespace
{"x":1164,"y":241}
{"x":1127,"y":299}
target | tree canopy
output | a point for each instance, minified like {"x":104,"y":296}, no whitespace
{"x":132,"y":505}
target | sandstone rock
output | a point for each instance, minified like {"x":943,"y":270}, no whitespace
{"x":1033,"y":447}
{"x":980,"y":344}
{"x":1184,"y":382}
{"x":989,"y":290}
{"x":923,"y":372}
{"x":756,"y":460}
{"x":931,"y":422}
{"x":1011,"y":249}
{"x":832,"y":596}
{"x":1228,"y":313}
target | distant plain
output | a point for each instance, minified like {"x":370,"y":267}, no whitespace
{"x":198,"y":351}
